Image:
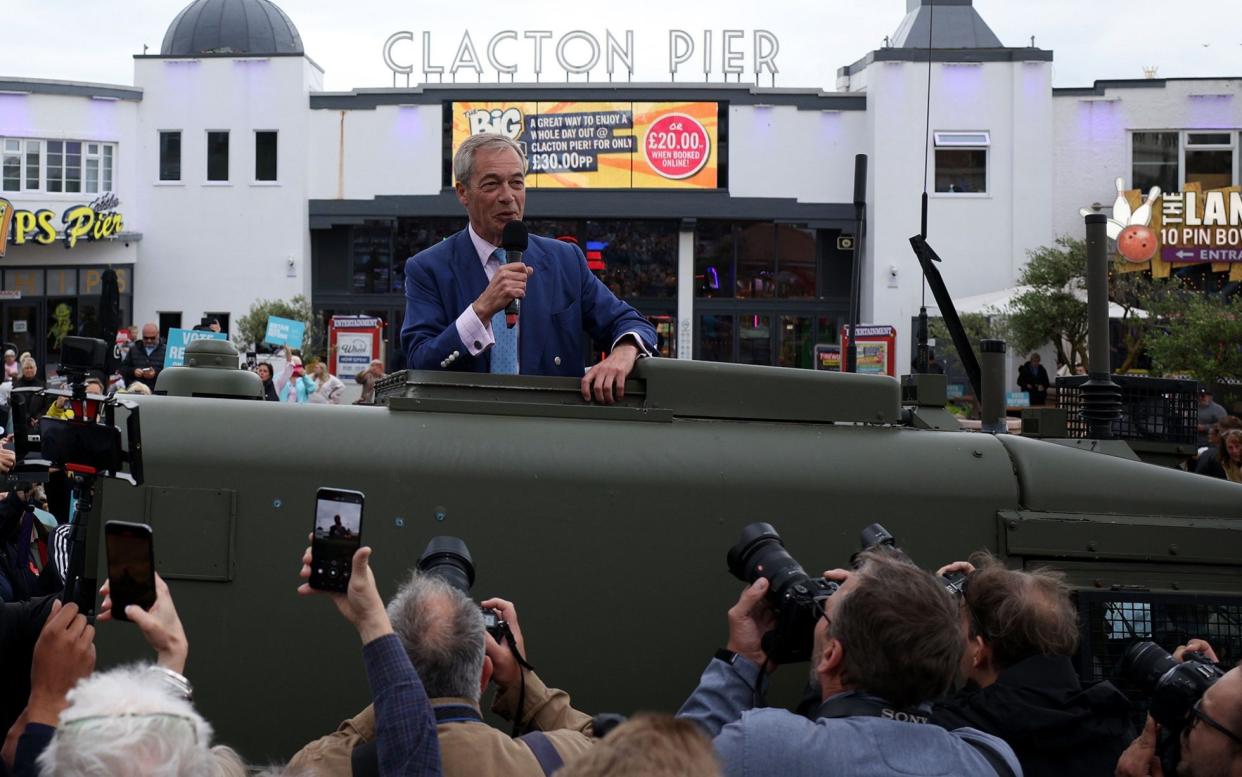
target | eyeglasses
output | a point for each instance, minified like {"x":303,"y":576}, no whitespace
{"x":171,"y":715}
{"x":1197,"y":714}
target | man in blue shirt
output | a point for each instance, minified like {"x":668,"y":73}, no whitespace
{"x":889,"y":643}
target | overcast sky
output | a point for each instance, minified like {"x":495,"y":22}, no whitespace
{"x":1092,"y":39}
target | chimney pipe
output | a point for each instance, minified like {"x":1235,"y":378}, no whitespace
{"x":1101,"y":398}
{"x":992,"y":402}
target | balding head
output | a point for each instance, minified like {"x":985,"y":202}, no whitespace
{"x":1021,"y":614}
{"x":150,"y":331}
{"x":442,"y":631}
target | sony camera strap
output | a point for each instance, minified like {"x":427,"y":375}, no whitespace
{"x":855,"y":705}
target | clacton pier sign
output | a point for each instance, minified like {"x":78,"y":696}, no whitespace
{"x":727,"y":54}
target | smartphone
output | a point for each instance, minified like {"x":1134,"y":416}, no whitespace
{"x":131,"y":566}
{"x":337,"y":534}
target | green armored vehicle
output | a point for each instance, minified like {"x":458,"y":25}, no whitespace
{"x":608,"y":526}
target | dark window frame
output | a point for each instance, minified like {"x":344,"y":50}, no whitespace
{"x":170,"y":147}
{"x":217,"y":156}
{"x":266,"y":161}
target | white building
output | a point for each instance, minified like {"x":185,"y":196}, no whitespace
{"x":239,"y":178}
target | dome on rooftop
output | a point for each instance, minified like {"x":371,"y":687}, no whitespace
{"x":245,"y":27}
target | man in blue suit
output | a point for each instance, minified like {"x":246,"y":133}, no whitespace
{"x":456,"y":292}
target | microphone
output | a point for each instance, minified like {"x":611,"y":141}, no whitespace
{"x":514,"y":240}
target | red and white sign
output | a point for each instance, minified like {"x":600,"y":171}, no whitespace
{"x":354,"y":341}
{"x":676,"y":146}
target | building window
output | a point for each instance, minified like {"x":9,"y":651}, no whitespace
{"x":223,"y":318}
{"x":265,"y":156}
{"x":168,"y":320}
{"x":170,"y":156}
{"x":64,"y":166}
{"x":633,"y":258}
{"x":218,"y":156}
{"x":1154,"y":159}
{"x":1172,"y":159}
{"x":756,"y":259}
{"x":1209,"y":159}
{"x":12,"y":166}
{"x":962,"y":162}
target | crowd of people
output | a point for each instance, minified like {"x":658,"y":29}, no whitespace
{"x":907,"y":676}
{"x":1220,"y":441}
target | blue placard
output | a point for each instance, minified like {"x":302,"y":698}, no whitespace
{"x":1018,"y":399}
{"x":955,"y":391}
{"x":284,"y":331}
{"x":178,"y":339}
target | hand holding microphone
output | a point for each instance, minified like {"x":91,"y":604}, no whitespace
{"x":508,"y":284}
{"x":514,"y":240}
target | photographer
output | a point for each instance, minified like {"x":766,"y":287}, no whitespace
{"x":404,"y":725}
{"x":887,"y":645}
{"x":443,"y":633}
{"x":1211,"y":738}
{"x":1022,"y":629}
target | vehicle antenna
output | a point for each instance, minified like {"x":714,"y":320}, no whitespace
{"x":923,"y":354}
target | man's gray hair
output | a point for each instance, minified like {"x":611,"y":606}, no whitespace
{"x":129,"y":721}
{"x":442,"y":631}
{"x":463,"y":161}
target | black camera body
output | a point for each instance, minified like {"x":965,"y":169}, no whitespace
{"x":796,"y":597}
{"x":1174,"y":686}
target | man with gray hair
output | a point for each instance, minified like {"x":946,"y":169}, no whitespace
{"x":456,"y":292}
{"x":442,"y":631}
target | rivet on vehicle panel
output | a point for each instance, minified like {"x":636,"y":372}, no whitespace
{"x":1013,"y":525}
{"x":399,"y":522}
{"x":277,"y":503}
{"x":1173,"y":550}
{"x":1092,"y":545}
{"x":441,"y":514}
{"x":977,"y":454}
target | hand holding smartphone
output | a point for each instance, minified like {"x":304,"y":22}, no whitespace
{"x":337,"y":534}
{"x":131,"y":566}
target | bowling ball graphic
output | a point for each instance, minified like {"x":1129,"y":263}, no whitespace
{"x":1136,"y":243}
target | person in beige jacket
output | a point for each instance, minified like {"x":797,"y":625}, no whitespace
{"x":442,"y":630}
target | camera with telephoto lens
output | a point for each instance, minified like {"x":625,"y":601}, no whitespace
{"x":876,"y":538}
{"x":449,"y":559}
{"x":1174,"y":686}
{"x":796,"y":597}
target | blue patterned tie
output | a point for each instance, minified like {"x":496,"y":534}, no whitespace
{"x":504,"y":352}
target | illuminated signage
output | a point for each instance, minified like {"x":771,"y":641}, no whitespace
{"x":603,"y":145}
{"x":1183,"y":227}
{"x":720,"y":52}
{"x":97,"y":220}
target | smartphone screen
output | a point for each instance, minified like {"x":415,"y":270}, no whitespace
{"x":337,"y":534}
{"x":131,"y":566}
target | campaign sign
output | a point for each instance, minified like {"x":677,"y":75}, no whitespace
{"x":1017,"y":399}
{"x":284,"y":331}
{"x":178,"y":339}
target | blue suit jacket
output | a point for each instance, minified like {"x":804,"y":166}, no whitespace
{"x":562,"y":300}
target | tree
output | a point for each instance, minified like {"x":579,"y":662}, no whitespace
{"x":1054,"y":308}
{"x":979,"y":326}
{"x":1193,"y":333}
{"x":253,"y":326}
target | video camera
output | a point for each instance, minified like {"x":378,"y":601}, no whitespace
{"x":1174,"y":687}
{"x":797,"y":598}
{"x":86,"y":445}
